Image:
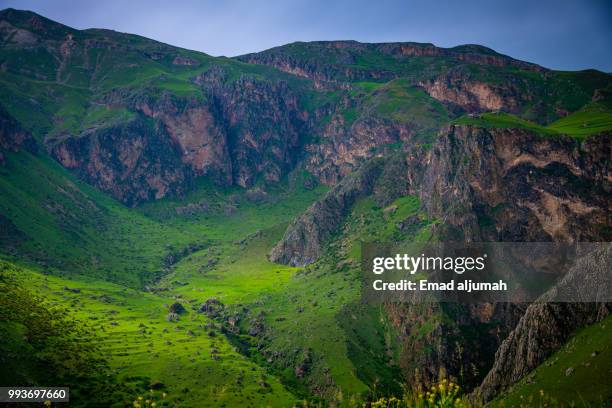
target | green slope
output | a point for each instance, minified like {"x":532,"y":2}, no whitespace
{"x":57,"y":93}
{"x":584,"y":123}
{"x":578,"y":375}
{"x":83,"y":242}
{"x":310,"y":317}
{"x":188,"y":359}
{"x":69,"y":228}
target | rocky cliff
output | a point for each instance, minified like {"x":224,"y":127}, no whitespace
{"x":305,"y":238}
{"x":515,"y":185}
{"x":483,"y":185}
{"x":545,"y":327}
{"x":489,"y":185}
{"x":233,"y":135}
{"x":132,"y":161}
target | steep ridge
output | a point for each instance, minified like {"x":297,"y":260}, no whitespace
{"x":305,"y":238}
{"x":542,"y":330}
{"x":335,"y":60}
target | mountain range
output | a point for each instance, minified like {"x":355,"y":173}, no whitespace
{"x":202,"y":217}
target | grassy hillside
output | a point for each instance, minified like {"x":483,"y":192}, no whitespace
{"x":188,"y":359}
{"x":587,"y":122}
{"x":575,"y":376}
{"x":93,"y":256}
{"x":55,"y":79}
{"x":68,"y":228}
{"x":304,"y":323}
{"x":45,"y":343}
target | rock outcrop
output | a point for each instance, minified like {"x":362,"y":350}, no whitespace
{"x":515,"y":185}
{"x":474,"y":95}
{"x":306,"y":236}
{"x":545,"y":327}
{"x":132,"y":161}
{"x":12,"y":136}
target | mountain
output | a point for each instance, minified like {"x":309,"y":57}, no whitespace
{"x":204,"y":215}
{"x":237,"y":123}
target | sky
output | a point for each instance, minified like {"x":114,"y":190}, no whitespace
{"x":561,"y":34}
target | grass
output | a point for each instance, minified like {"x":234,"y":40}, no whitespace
{"x":590,"y":121}
{"x":587,"y":356}
{"x":400,"y":102}
{"x":300,"y":309}
{"x":579,"y":125}
{"x":503,"y":121}
{"x":69,"y":228}
{"x":142,"y":346}
{"x":105,"y":254}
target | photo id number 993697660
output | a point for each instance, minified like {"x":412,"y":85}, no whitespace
{"x":34,"y":394}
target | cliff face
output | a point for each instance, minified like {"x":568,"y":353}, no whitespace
{"x":484,"y":185}
{"x":234,"y":133}
{"x":264,"y":125}
{"x":344,"y":147}
{"x":492,"y":185}
{"x":132,"y":161}
{"x":514,"y":185}
{"x":200,"y":140}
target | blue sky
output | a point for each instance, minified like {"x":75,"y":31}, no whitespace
{"x":557,"y":34}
